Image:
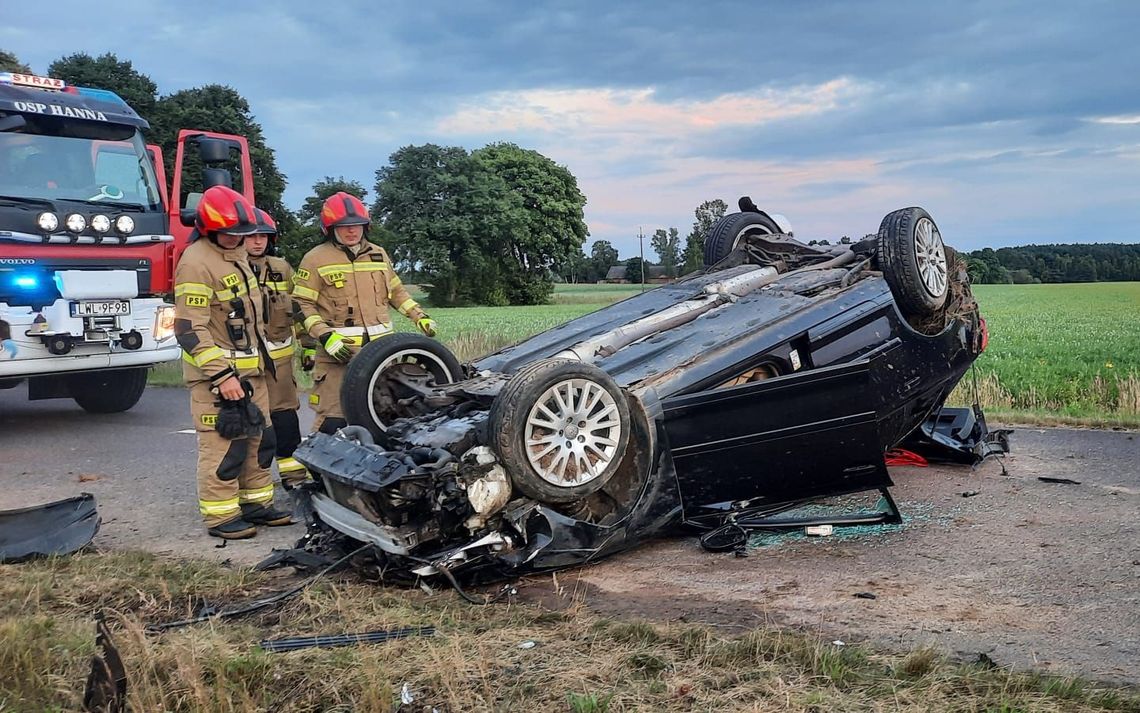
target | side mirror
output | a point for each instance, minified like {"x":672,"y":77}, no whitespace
{"x":213,"y":150}
{"x":186,"y":216}
{"x":217,"y":177}
{"x":13,"y":122}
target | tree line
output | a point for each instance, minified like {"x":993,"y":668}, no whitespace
{"x":1030,"y":264}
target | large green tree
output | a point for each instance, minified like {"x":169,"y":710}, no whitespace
{"x":667,"y":245}
{"x":107,"y":71}
{"x":490,"y":227}
{"x":9,"y":62}
{"x":437,"y":203}
{"x":707,"y":214}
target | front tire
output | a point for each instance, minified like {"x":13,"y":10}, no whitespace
{"x":368,"y":400}
{"x":112,"y":391}
{"x":561,"y":428}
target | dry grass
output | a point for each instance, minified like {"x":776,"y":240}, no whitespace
{"x":1119,"y":395}
{"x":580,"y":662}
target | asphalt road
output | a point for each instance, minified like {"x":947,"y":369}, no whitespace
{"x":1031,"y":573}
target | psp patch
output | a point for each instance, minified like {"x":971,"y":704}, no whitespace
{"x":197,"y":301}
{"x":210,"y":419}
{"x":302,"y":274}
{"x":231,"y":280}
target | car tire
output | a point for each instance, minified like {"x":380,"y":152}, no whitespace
{"x":362,"y":378}
{"x":912,"y":256}
{"x":726,"y":233}
{"x":112,"y":391}
{"x":592,"y":417}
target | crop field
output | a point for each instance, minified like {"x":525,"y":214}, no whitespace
{"x":1057,"y":353}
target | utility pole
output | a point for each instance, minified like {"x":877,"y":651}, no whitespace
{"x":641,"y":245}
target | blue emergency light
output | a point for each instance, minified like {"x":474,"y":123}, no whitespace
{"x":27,"y":282}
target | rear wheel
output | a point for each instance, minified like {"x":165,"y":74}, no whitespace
{"x":390,"y":369}
{"x":108,"y":391}
{"x":913,"y":260}
{"x":561,"y":428}
{"x":727,"y":233}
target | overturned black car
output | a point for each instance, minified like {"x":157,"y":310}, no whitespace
{"x":778,"y":375}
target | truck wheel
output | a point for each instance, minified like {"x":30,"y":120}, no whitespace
{"x":111,"y":391}
{"x":370,"y":400}
{"x":561,"y":428}
{"x":913,"y":260}
{"x":727,"y":233}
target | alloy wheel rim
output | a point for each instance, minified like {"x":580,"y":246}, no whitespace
{"x":572,"y":433}
{"x":930,"y":256}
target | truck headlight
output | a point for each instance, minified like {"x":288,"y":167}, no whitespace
{"x":75,"y":223}
{"x":100,"y":224}
{"x":48,"y":222}
{"x":124,"y":224}
{"x":163,"y":323}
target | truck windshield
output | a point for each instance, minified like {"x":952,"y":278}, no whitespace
{"x":67,"y":159}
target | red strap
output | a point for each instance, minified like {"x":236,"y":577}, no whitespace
{"x":900,"y":456}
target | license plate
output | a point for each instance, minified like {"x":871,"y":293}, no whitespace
{"x":100,"y":308}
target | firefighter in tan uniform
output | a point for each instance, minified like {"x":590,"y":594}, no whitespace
{"x":344,"y":287}
{"x":275,"y":277}
{"x":219,"y":323}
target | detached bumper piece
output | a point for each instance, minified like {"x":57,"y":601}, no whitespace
{"x":58,"y":528}
{"x":958,"y":435}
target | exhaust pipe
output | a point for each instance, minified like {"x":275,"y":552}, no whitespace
{"x":714,"y":295}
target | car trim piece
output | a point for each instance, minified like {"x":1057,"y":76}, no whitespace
{"x":355,"y":526}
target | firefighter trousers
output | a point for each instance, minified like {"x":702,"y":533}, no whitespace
{"x":283,"y":406}
{"x":231,"y":473}
{"x":325,"y":396}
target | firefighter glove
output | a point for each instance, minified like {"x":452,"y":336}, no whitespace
{"x":427,"y":325}
{"x":308,"y":359}
{"x":337,"y":347}
{"x":241,"y":418}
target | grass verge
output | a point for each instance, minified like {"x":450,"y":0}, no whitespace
{"x":579,"y":661}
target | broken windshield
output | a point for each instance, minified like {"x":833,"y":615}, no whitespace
{"x":66,"y":159}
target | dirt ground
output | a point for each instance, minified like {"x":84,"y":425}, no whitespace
{"x":1031,"y":573}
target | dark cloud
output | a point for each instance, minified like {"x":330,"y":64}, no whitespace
{"x":977,"y":105}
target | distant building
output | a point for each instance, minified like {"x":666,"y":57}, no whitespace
{"x":654,"y":274}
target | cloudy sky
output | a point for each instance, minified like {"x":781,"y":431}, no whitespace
{"x":1012,"y":122}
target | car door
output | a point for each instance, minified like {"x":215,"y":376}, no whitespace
{"x":794,"y":437}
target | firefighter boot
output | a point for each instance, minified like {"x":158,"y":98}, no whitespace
{"x":259,"y":514}
{"x":236,"y":529}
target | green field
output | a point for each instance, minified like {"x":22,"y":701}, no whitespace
{"x":1058,"y":353}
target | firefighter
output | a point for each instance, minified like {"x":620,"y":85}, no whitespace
{"x":344,"y":287}
{"x":275,"y":277}
{"x":220,"y":324}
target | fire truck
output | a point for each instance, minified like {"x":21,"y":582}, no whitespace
{"x":89,"y":237}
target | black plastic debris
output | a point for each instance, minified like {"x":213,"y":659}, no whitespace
{"x":106,"y":690}
{"x":864,"y":595}
{"x":334,"y":640}
{"x":58,"y":528}
{"x":1060,"y":481}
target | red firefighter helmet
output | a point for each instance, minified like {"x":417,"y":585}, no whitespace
{"x":343,"y":209}
{"x":224,"y":210}
{"x":265,"y":225}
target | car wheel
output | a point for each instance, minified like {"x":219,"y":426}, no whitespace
{"x":727,"y":233}
{"x":369,"y":394}
{"x":913,"y":260}
{"x":561,"y":428}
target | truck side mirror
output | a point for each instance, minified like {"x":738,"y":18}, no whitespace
{"x":216,"y":177}
{"x":213,"y":150}
{"x":13,"y":122}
